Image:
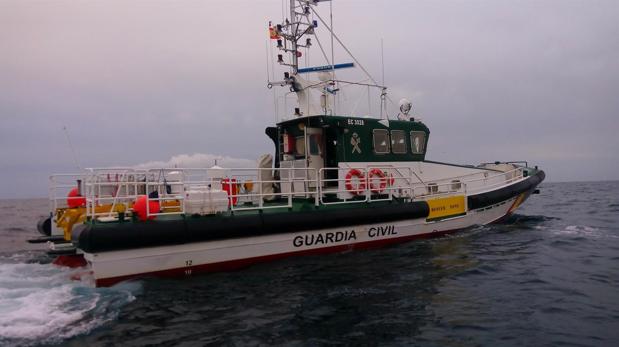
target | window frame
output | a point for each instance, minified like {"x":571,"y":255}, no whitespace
{"x":315,"y":142}
{"x":388,"y":142}
{"x":403,"y":134}
{"x":423,"y":143}
{"x":299,"y":143}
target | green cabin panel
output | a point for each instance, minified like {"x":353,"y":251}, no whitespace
{"x":351,"y":139}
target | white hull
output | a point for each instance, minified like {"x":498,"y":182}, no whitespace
{"x":188,"y":259}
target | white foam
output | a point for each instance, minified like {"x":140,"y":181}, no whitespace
{"x":584,"y":231}
{"x":39,"y":303}
{"x":580,"y":228}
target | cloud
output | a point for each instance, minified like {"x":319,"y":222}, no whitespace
{"x":199,"y":160}
{"x":493,"y":81}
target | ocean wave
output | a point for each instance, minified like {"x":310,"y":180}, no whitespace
{"x":524,"y":219}
{"x":29,"y":257}
{"x":584,"y":231}
{"x":40,"y":304}
{"x":522,"y":222}
{"x":14,"y":229}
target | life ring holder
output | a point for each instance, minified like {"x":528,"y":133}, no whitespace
{"x":382,"y":180}
{"x":360,"y":188}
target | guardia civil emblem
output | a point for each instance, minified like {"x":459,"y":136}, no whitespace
{"x":355,"y":140}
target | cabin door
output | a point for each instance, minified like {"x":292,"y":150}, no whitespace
{"x":315,"y":153}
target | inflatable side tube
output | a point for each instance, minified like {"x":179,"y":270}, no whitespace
{"x":496,"y":196}
{"x":44,"y":239}
{"x":115,"y":236}
{"x":44,"y":226}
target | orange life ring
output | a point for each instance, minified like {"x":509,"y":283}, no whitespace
{"x":360,"y":188}
{"x":382,"y":182}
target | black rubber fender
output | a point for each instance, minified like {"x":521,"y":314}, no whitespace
{"x":489,"y":198}
{"x":100,"y":237}
{"x":44,"y":226}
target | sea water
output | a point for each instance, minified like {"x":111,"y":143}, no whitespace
{"x":547,"y":276}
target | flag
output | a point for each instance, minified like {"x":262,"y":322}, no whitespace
{"x":273,"y":34}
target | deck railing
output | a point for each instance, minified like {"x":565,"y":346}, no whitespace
{"x":107,"y":191}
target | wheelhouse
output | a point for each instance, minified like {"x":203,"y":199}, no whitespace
{"x":330,"y":141}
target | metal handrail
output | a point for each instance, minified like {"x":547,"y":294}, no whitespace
{"x":402,"y":181}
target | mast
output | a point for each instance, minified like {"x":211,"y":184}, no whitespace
{"x":294,"y":26}
{"x":316,"y":87}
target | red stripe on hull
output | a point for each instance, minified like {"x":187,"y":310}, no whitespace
{"x":72,"y":261}
{"x":242,"y":263}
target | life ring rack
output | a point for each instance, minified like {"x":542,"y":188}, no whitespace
{"x":360,"y":187}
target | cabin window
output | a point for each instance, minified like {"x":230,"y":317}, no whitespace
{"x":418,"y":142}
{"x":381,"y":141}
{"x":398,"y":141}
{"x":315,"y":142}
{"x":299,"y":146}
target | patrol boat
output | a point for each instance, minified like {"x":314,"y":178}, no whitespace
{"x":337,"y":181}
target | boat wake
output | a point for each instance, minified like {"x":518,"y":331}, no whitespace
{"x":41,"y":305}
{"x":532,"y":219}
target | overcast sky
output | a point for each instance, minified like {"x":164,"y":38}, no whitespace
{"x":144,"y":81}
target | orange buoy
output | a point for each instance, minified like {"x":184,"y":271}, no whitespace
{"x":74,"y":199}
{"x":229,"y":185}
{"x":139,"y":208}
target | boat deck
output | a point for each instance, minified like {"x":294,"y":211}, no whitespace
{"x":109,"y":194}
